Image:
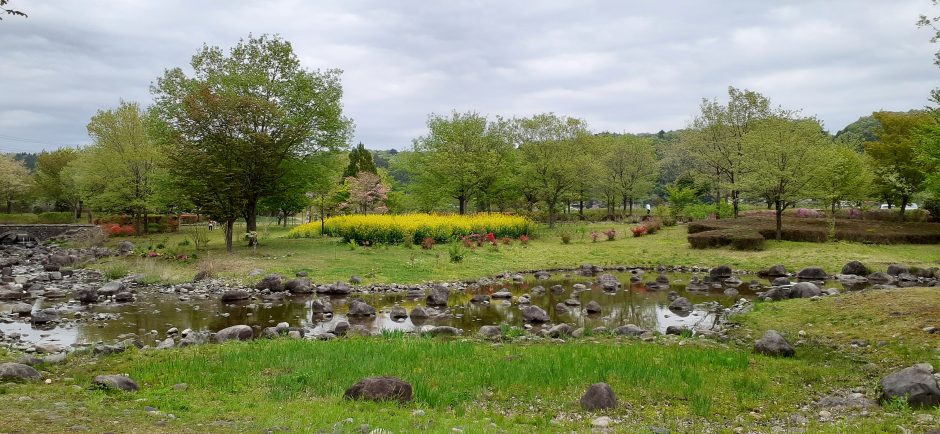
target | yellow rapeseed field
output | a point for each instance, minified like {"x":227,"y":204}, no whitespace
{"x":392,"y":229}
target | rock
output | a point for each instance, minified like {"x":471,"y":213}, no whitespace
{"x":537,"y":291}
{"x":21,"y":309}
{"x":880,"y":277}
{"x":380,"y":389}
{"x":780,"y":281}
{"x":482,"y":298}
{"x":360,"y":308}
{"x":676,"y":330}
{"x":502,"y":295}
{"x":601,"y":423}
{"x":29,"y":360}
{"x":235,"y":295}
{"x":125,"y":247}
{"x":804,"y":290}
{"x":897,"y":269}
{"x":10,"y":294}
{"x":193,"y":338}
{"x":340,"y":328}
{"x":915,"y":384}
{"x":166,"y":344}
{"x":44,"y":316}
{"x":731,"y":292}
{"x":419,"y":313}
{"x":534,"y":314}
{"x":557,"y":289}
{"x":608,"y":282}
{"x":111,"y":288}
{"x":319,"y":305}
{"x":855,"y":268}
{"x":18,"y":372}
{"x":812,"y":273}
{"x":773,"y":344}
{"x":355,"y":280}
{"x":443,"y":331}
{"x":720,"y":272}
{"x":201,"y":275}
{"x":853,"y":400}
{"x":87,"y":295}
{"x":542,"y":275}
{"x":599,"y":397}
{"x":776,"y":293}
{"x":398,"y":313}
{"x":490,"y":331}
{"x":681,"y":304}
{"x":123,"y":297}
{"x":438,"y":296}
{"x":115,"y":382}
{"x":54,"y":359}
{"x":271,"y":282}
{"x":270,"y":333}
{"x":573,"y":302}
{"x":560,"y":330}
{"x":593,"y":307}
{"x":662,"y":279}
{"x":338,"y":288}
{"x":776,"y":271}
{"x":235,"y":332}
{"x":299,"y":286}
{"x":629,"y":330}
{"x":561,"y":309}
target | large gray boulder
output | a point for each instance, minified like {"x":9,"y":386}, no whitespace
{"x":773,"y":344}
{"x":608,"y":282}
{"x":111,"y":288}
{"x":804,"y":290}
{"x":18,"y":372}
{"x":44,"y":316}
{"x":271,"y":282}
{"x":360,"y":308}
{"x":599,"y":397}
{"x":125,"y":247}
{"x":380,"y":389}
{"x":87,"y":295}
{"x":299,"y":286}
{"x":235,"y":295}
{"x":438,"y":296}
{"x":235,"y":332}
{"x":319,"y":305}
{"x":534,"y":314}
{"x":115,"y":382}
{"x":398,"y":313}
{"x":812,"y":273}
{"x":897,"y":269}
{"x":776,"y":271}
{"x":490,"y":331}
{"x":629,"y":330}
{"x":681,"y":304}
{"x":720,"y":272}
{"x":916,"y":385}
{"x":592,"y":307}
{"x":855,"y":268}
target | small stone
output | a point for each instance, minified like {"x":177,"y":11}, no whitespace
{"x":601,"y":422}
{"x":115,"y":382}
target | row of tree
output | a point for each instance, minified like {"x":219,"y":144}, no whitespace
{"x":250,"y":131}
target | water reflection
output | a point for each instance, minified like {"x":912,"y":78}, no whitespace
{"x":633,"y":303}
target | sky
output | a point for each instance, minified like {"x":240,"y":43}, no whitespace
{"x":622,"y":66}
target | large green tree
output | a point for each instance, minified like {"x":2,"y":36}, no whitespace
{"x":52,"y":182}
{"x":781,"y":157}
{"x":899,"y":173}
{"x":463,"y":156}
{"x":236,"y":123}
{"x":119,"y":171}
{"x":631,"y":168}
{"x":847,"y":176}
{"x":15,"y":180}
{"x":360,"y":160}
{"x":551,"y":157}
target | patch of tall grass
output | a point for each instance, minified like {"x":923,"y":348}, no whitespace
{"x":414,"y":228}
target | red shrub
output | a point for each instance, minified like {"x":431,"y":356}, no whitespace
{"x":638,"y":230}
{"x":427,"y":243}
{"x":507,"y":241}
{"x":611,"y":234}
{"x":524,"y":239}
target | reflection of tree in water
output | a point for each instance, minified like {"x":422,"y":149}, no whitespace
{"x":636,"y":308}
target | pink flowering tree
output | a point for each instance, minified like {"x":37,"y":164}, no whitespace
{"x":367,"y":193}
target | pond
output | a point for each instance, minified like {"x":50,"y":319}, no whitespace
{"x":631,"y":304}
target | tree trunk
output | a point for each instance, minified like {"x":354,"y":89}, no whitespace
{"x":631,"y":206}
{"x":462,"y":201}
{"x":581,"y":208}
{"x":78,"y":210}
{"x":251,"y":215}
{"x":9,"y":206}
{"x":770,"y":204}
{"x":146,"y":228}
{"x":717,"y":203}
{"x":551,"y":214}
{"x":229,"y":227}
{"x":779,"y":213}
{"x":904,"y":200}
{"x":734,"y":202}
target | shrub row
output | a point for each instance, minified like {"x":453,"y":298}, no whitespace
{"x":738,"y":239}
{"x":818,"y":230}
{"x":42,"y":218}
{"x":415,"y":228}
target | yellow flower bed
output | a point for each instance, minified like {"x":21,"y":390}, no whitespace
{"x":393,"y":229}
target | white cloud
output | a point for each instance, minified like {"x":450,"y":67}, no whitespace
{"x":639,"y":66}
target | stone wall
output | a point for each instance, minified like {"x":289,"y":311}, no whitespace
{"x":45,"y":232}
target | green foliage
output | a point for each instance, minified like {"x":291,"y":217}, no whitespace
{"x":53,"y":180}
{"x":680,"y":198}
{"x":899,"y":173}
{"x":360,"y":160}
{"x":55,"y":218}
{"x":457,"y":252}
{"x":15,"y":180}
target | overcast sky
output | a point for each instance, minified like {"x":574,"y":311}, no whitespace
{"x":637,"y":66}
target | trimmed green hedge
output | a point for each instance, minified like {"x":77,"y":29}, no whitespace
{"x":738,"y":239}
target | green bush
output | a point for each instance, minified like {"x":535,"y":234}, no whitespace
{"x":702,"y":211}
{"x":56,"y":217}
{"x":738,"y":239}
{"x":22,"y":219}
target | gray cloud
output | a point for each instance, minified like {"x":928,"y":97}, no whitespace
{"x":637,"y":67}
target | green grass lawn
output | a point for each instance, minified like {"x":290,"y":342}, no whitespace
{"x":684,"y":385}
{"x":328,"y":260}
